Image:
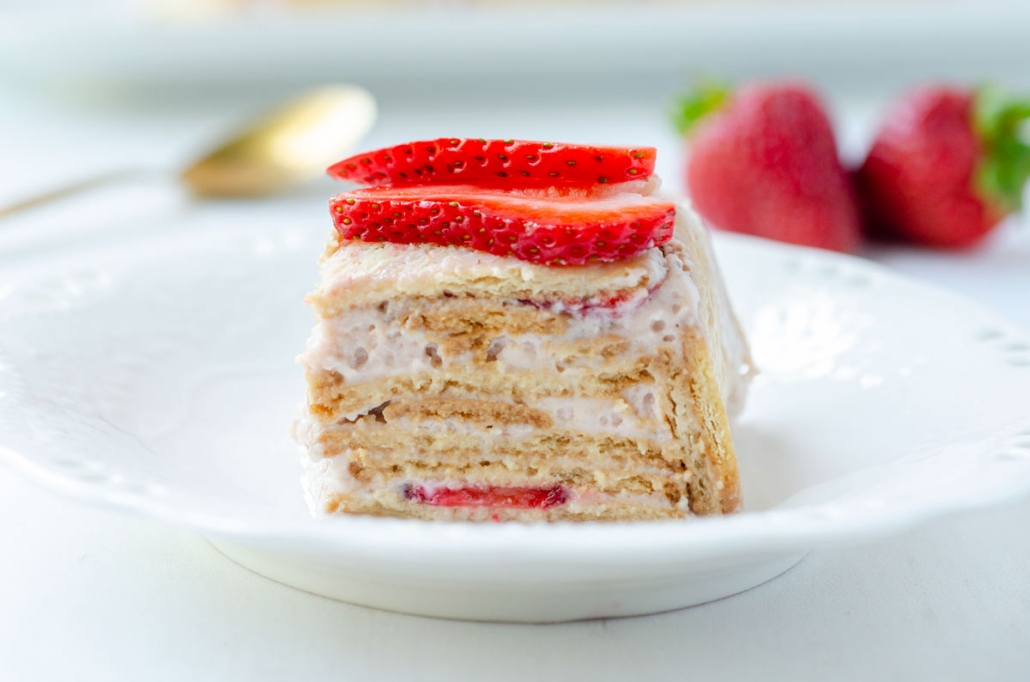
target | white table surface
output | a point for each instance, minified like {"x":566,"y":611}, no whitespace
{"x":87,"y":594}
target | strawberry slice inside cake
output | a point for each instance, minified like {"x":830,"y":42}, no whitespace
{"x":586,"y":369}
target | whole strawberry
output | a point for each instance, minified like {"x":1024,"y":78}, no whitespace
{"x":946,"y":167}
{"x":762,"y":160}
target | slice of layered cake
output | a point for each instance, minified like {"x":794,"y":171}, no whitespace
{"x":518,"y":330}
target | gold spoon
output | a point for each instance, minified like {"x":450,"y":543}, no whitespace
{"x":282,"y":149}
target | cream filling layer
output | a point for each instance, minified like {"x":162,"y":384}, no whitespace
{"x":637,"y":415}
{"x":364,"y":345}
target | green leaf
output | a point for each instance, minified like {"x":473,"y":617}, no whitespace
{"x":1001,"y":120}
{"x":695,"y":105}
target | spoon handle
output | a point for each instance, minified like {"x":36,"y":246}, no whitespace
{"x":71,"y":189}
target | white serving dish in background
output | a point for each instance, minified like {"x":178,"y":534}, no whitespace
{"x":839,"y":44}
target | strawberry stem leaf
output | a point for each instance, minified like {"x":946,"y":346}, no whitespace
{"x":695,"y":105}
{"x":1001,"y":120}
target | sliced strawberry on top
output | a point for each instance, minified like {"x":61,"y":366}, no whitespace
{"x":539,"y":227}
{"x":496,"y":163}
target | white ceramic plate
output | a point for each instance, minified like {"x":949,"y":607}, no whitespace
{"x":154,"y":373}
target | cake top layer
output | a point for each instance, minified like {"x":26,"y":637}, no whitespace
{"x":361,"y":273}
{"x":541,"y":202}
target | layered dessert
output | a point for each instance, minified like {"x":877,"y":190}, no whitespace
{"x":513,"y":330}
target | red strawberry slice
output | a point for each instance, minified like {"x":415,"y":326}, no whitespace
{"x":496,"y":163}
{"x":506,"y":497}
{"x":539,"y":227}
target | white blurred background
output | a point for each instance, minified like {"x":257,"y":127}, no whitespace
{"x":510,"y":61}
